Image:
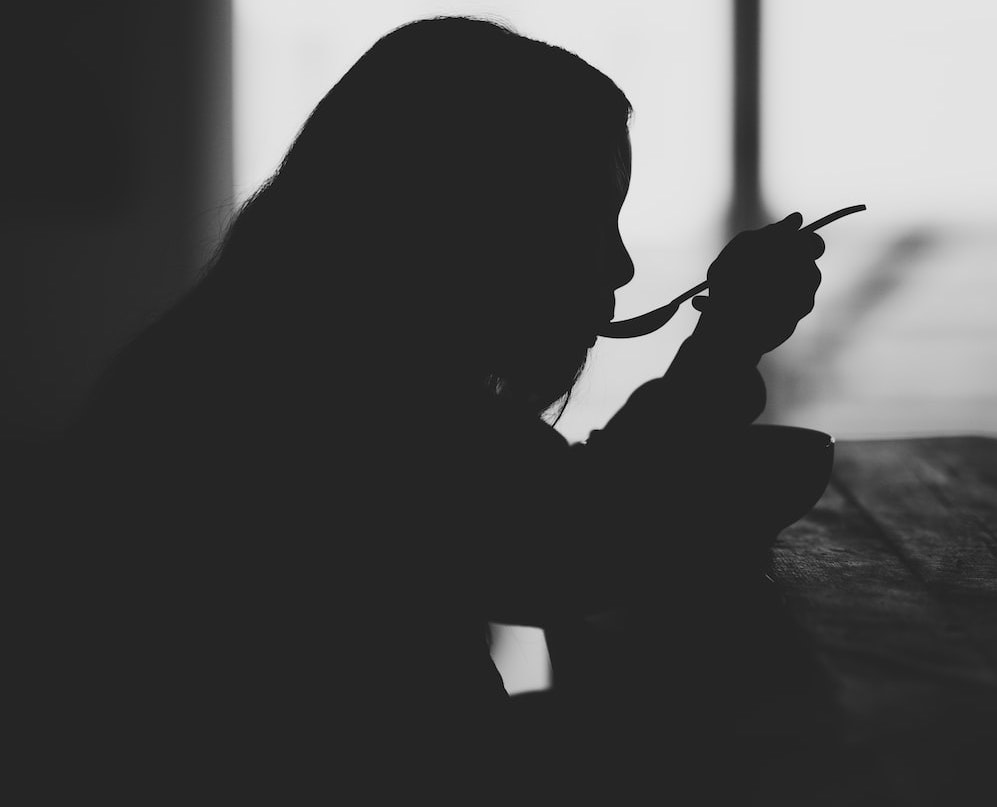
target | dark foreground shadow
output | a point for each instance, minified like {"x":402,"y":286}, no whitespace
{"x":713,"y":697}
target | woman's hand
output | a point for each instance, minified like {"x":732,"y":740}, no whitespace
{"x":761,"y":285}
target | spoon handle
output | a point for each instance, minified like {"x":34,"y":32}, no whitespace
{"x":837,"y":214}
{"x":652,"y":320}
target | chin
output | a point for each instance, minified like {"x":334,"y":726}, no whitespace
{"x":544,"y":382}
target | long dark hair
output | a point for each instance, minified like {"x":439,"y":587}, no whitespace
{"x":412,"y":237}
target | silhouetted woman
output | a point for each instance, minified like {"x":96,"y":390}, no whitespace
{"x":312,"y":482}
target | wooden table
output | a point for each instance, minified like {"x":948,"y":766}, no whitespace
{"x":893,"y":576}
{"x":866,"y":674}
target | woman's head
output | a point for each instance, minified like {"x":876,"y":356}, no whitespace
{"x":448,"y":213}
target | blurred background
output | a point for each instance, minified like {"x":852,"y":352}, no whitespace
{"x":132,"y":130}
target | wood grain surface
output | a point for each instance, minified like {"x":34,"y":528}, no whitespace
{"x":893,"y":576}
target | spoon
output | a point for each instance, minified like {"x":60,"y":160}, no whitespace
{"x":652,"y":320}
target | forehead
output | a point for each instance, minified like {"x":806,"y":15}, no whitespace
{"x":622,"y":163}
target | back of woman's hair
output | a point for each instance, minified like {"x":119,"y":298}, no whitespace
{"x":422,"y":215}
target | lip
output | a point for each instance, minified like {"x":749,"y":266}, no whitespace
{"x":600,"y":324}
{"x":594,"y":320}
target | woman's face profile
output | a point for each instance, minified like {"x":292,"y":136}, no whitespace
{"x":578,"y":298}
{"x":618,"y":264}
{"x":604,"y":263}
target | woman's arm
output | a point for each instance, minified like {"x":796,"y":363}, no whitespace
{"x":579,"y":529}
{"x":651,"y":496}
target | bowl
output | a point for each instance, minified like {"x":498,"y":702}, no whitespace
{"x":785,"y":470}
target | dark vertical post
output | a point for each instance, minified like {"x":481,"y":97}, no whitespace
{"x":117,"y":185}
{"x":747,"y":209}
{"x":210,"y":97}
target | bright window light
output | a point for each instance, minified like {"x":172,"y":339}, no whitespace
{"x":890,"y":103}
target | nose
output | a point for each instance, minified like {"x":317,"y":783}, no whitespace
{"x":621,"y":264}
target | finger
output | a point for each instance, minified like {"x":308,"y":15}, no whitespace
{"x":799,"y":283}
{"x":815,"y":246}
{"x":789,"y":224}
{"x":806,"y":291}
{"x":700,"y":303}
{"x":800,"y":310}
{"x":808,"y":277}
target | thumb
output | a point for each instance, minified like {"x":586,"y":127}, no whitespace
{"x":701,"y":303}
{"x":794,"y":220}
